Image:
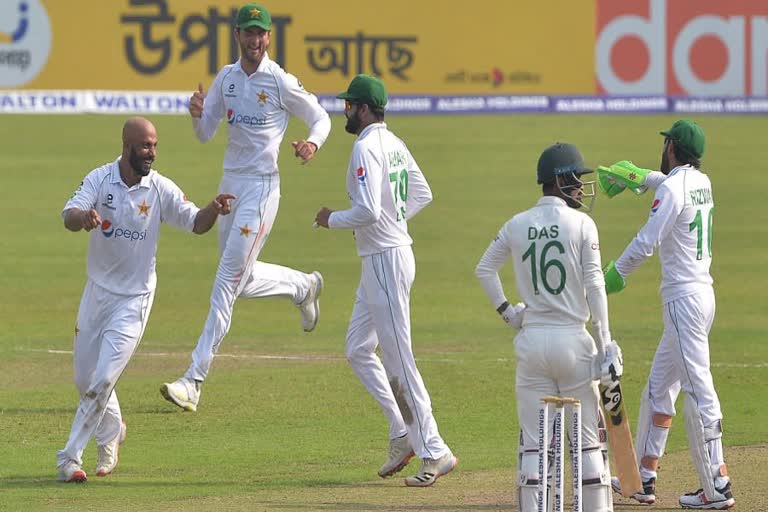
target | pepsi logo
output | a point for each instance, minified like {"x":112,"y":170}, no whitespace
{"x":106,"y":228}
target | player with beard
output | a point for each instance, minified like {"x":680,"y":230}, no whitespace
{"x":256,"y":96}
{"x":386,"y":189}
{"x":679,"y":226}
{"x":128,"y":200}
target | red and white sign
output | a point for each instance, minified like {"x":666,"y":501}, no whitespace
{"x":682,"y":47}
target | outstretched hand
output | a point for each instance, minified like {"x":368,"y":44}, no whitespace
{"x":617,"y":177}
{"x":223,"y":203}
{"x":90,"y":219}
{"x":322,"y":217}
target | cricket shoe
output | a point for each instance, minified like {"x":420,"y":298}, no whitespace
{"x":647,"y":497}
{"x":431,"y":470}
{"x":70,"y":472}
{"x":183,"y":392}
{"x":722,"y":500}
{"x":107,"y":453}
{"x":310,"y":306}
{"x":400,"y":452}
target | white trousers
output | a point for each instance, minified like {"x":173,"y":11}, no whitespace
{"x":559,"y":361}
{"x":682,"y":358}
{"x":381,"y":317}
{"x":242,"y":235}
{"x":108,"y":331}
{"x":555,"y":361}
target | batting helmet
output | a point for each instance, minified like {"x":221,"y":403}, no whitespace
{"x":560,"y":159}
{"x":565,"y":161}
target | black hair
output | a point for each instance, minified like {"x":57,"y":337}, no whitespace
{"x":378,"y":112}
{"x":685,"y":158}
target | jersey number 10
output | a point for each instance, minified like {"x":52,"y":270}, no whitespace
{"x":698,"y":225}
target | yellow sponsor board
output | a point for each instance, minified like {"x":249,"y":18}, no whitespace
{"x":415,"y":46}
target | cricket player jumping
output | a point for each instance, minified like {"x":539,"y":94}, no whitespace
{"x":255,"y":96}
{"x":556,"y":255}
{"x":680,"y":228}
{"x":386,"y":189}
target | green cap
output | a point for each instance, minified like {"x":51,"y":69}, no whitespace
{"x":688,"y":136}
{"x":254,"y":15}
{"x":366,"y":89}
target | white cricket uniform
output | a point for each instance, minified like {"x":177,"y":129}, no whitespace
{"x":386,"y":188}
{"x":257,"y":109}
{"x":555,"y":251}
{"x":119,"y":291}
{"x":680,"y":227}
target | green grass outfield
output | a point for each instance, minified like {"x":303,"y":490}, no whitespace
{"x":301,"y":433}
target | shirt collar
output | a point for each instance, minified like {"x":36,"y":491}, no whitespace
{"x":684,"y":167}
{"x":116,"y":178}
{"x":265,"y":60}
{"x":551,"y":201}
{"x":370,"y":128}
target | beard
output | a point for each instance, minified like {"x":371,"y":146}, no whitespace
{"x":664,"y":162}
{"x":572,"y":202}
{"x":139,"y":165}
{"x":353,"y":124}
{"x":247,"y":56}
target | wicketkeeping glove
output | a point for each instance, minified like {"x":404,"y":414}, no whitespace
{"x":612,"y":367}
{"x":513,"y":315}
{"x":624,"y":174}
{"x":613,"y":281}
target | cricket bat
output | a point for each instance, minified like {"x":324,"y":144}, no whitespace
{"x":620,"y":439}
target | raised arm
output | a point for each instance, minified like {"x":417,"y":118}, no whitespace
{"x":207,"y":110}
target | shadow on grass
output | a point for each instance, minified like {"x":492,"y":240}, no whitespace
{"x":364,"y":507}
{"x":36,"y":482}
{"x":18,"y":411}
{"x":38,"y":410}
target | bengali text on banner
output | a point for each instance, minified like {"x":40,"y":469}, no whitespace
{"x":429,"y":47}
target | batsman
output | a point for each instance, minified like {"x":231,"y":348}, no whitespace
{"x":679,"y":227}
{"x":555,"y":251}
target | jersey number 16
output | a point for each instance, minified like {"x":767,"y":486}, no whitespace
{"x":544,"y":266}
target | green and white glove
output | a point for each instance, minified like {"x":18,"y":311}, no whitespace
{"x":621,"y":175}
{"x":614,"y":283}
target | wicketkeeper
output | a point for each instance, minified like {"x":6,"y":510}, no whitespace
{"x":680,"y":227}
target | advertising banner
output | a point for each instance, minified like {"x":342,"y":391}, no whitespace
{"x":416,"y":47}
{"x":682,"y":47}
{"x":176,"y":102}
